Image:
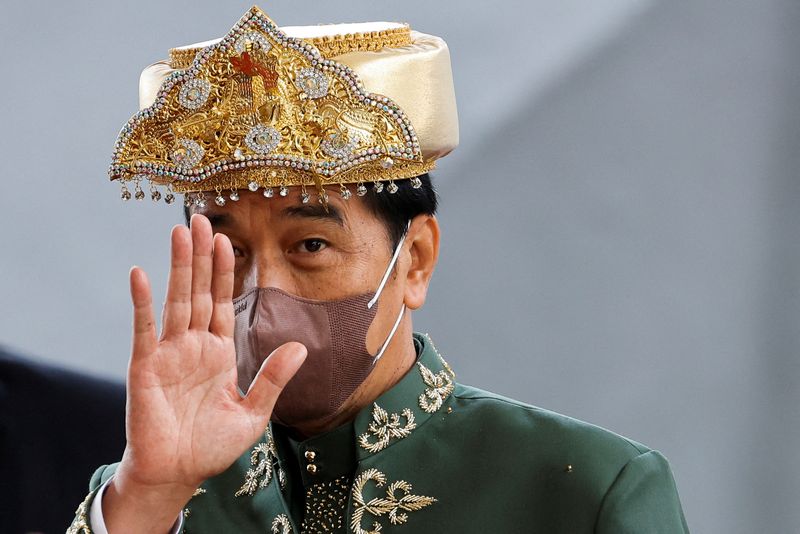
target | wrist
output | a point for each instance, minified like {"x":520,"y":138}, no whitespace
{"x":130,"y":506}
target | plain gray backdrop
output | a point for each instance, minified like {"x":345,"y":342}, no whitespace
{"x":620,"y":222}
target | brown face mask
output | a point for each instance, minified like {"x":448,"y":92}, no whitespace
{"x":333,"y":331}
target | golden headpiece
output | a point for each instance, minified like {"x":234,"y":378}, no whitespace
{"x":269,"y":108}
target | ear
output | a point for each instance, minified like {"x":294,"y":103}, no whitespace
{"x":423,"y":245}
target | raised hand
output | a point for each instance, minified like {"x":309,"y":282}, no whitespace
{"x":185,"y":418}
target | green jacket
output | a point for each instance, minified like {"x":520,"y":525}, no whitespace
{"x":434,"y":456}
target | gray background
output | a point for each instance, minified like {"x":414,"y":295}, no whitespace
{"x":620,"y":222}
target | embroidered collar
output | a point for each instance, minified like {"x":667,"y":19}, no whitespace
{"x":394,"y":415}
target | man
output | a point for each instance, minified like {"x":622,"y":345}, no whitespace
{"x":289,"y":308}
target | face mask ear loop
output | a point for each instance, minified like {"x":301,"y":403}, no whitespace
{"x":391,"y":335}
{"x":385,"y":278}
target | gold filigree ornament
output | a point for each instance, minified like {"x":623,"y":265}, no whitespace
{"x":385,"y":427}
{"x":398,"y":501}
{"x":80,"y":525}
{"x":260,"y":475}
{"x":328,"y":45}
{"x":281,"y":525}
{"x":440,"y":385}
{"x":261,"y":109}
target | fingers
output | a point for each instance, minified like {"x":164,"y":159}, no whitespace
{"x":275,"y":373}
{"x":144,"y":325}
{"x":222,"y":318}
{"x":178,"y":306}
{"x":202,"y":265}
{"x":200,"y":286}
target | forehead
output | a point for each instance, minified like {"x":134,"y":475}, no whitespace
{"x":253,"y":206}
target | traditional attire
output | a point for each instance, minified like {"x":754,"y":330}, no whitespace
{"x":434,"y":456}
{"x":352,"y":106}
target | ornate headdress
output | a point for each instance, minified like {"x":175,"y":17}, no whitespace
{"x":268,"y":108}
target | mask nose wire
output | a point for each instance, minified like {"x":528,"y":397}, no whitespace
{"x":385,"y":278}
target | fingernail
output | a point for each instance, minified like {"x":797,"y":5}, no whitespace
{"x":300,"y":353}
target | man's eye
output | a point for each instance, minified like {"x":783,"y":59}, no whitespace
{"x":312,"y":245}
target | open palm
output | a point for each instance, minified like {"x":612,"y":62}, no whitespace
{"x":186,"y":420}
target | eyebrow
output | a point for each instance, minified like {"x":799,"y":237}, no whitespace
{"x":332,"y":214}
{"x":315,"y":212}
{"x":219,"y":219}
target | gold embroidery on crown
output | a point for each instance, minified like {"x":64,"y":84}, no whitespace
{"x":385,"y":427}
{"x":253,"y":121}
{"x":281,"y":525}
{"x":328,"y":45}
{"x":80,"y":525}
{"x":440,"y":385}
{"x":396,"y":507}
{"x":262,"y":457}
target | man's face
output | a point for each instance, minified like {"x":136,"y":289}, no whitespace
{"x":310,"y":252}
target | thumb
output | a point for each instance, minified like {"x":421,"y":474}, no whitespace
{"x":275,"y":373}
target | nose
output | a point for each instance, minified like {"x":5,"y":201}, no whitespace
{"x":267,"y":272}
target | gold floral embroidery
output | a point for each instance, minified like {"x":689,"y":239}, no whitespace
{"x":260,"y":475}
{"x":384,"y":427}
{"x":198,"y":491}
{"x":80,"y":525}
{"x":439,"y":354}
{"x":392,"y":505}
{"x":440,"y":385}
{"x":281,"y":525}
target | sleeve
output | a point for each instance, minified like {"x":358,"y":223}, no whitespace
{"x":643,"y":498}
{"x":97,"y":522}
{"x":81,"y":524}
{"x":89,"y":515}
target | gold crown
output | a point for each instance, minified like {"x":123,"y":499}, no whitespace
{"x":328,"y":45}
{"x":260,"y":109}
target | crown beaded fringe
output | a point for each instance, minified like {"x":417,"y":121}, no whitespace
{"x":199,"y":198}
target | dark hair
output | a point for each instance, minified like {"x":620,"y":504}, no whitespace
{"x":396,"y":209}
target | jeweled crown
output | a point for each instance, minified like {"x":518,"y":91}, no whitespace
{"x":260,"y":109}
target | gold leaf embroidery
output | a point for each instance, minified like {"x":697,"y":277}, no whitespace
{"x":392,"y":505}
{"x":447,"y":367}
{"x":261,"y":457}
{"x":385,"y":427}
{"x":281,"y":525}
{"x":440,"y":385}
{"x":281,"y":478}
{"x":80,"y":525}
{"x":439,"y":354}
